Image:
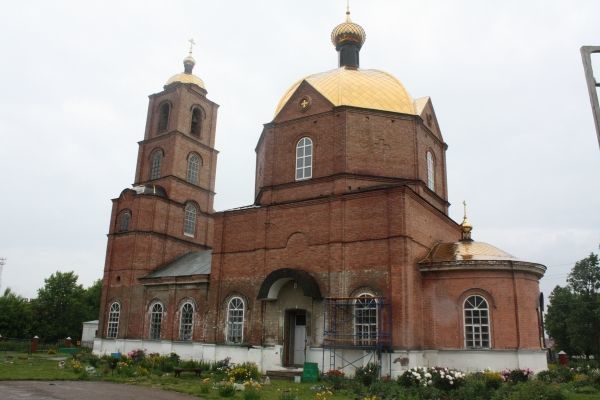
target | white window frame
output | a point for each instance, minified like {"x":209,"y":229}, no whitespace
{"x":365,"y":329}
{"x":193,"y":169}
{"x":114,"y":314}
{"x":156,"y":318}
{"x":430,"y":171}
{"x":476,"y":322}
{"x":186,"y":324}
{"x":304,"y":157}
{"x":155,"y":164}
{"x":236,"y":310}
{"x":190,"y":216}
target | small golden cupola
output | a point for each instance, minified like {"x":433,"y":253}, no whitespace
{"x":466,"y":226}
{"x":187,"y":76}
{"x":348,"y":38}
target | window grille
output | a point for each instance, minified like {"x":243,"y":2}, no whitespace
{"x":477,"y":324}
{"x":113,"y":320}
{"x":189,"y":223}
{"x":155,"y":163}
{"x":304,"y":159}
{"x":187,"y":322}
{"x":430,"y":171}
{"x":365,"y":320}
{"x":156,"y":315}
{"x":235,"y":320}
{"x":193,"y":168}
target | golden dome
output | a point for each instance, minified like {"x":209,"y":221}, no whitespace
{"x":186,"y":76}
{"x":348,"y":32}
{"x":364,"y":88}
{"x":467,"y":250}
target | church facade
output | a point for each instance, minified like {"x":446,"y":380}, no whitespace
{"x":347,"y":255}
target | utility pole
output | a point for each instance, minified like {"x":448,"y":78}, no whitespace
{"x":2,"y":263}
{"x":592,"y":84}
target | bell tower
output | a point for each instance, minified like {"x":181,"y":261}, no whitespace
{"x":168,"y":211}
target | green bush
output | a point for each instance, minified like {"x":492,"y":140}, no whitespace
{"x":226,"y":389}
{"x":244,"y":372}
{"x":386,"y":390}
{"x":560,"y":374}
{"x":475,"y":387}
{"x":335,"y":377}
{"x":251,"y":394}
{"x":367,"y":374}
{"x":440,"y":378}
{"x":534,"y":389}
{"x":516,"y":375}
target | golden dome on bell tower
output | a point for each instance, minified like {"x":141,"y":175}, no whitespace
{"x":187,"y":76}
{"x":348,"y":31}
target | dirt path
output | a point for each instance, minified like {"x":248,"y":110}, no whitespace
{"x":73,"y":390}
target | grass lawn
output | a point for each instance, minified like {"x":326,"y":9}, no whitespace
{"x":20,"y":366}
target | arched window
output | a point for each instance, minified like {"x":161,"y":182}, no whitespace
{"x":189,"y":220}
{"x":430,"y":171}
{"x":186,"y":322}
{"x":113,"y":320}
{"x":156,"y":314}
{"x":193,"y":168}
{"x":477,"y":323}
{"x":235,"y":320}
{"x":196,"y":125}
{"x":304,"y":159}
{"x":155,"y":163}
{"x":124,"y":220}
{"x":163,"y":117}
{"x":365,"y":319}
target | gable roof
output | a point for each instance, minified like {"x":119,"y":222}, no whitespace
{"x":192,"y":263}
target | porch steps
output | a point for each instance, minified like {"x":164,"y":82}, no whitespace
{"x":288,"y":373}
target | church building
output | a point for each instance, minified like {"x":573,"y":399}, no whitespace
{"x":347,"y":255}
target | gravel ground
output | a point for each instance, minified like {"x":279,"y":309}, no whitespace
{"x":73,"y":390}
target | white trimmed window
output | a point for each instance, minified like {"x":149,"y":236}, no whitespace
{"x":124,"y":220}
{"x":430,"y":171}
{"x":304,"y":159}
{"x":186,"y":322}
{"x":113,"y":320}
{"x":155,"y":162}
{"x":193,"y":168}
{"x":477,"y":323}
{"x":235,"y":320}
{"x":365,"y":320}
{"x":156,"y":315}
{"x":189,"y":220}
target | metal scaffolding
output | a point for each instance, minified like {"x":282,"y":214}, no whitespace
{"x":356,"y":323}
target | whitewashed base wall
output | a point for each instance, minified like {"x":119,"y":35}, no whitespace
{"x":270,"y":357}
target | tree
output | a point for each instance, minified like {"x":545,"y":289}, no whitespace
{"x":573,"y":317}
{"x":91,"y":299}
{"x":584,"y":278}
{"x":60,"y":307}
{"x":559,"y":310}
{"x":15,"y":315}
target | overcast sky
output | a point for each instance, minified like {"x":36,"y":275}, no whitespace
{"x":505,"y":78}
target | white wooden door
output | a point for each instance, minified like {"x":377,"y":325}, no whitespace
{"x":299,"y":339}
